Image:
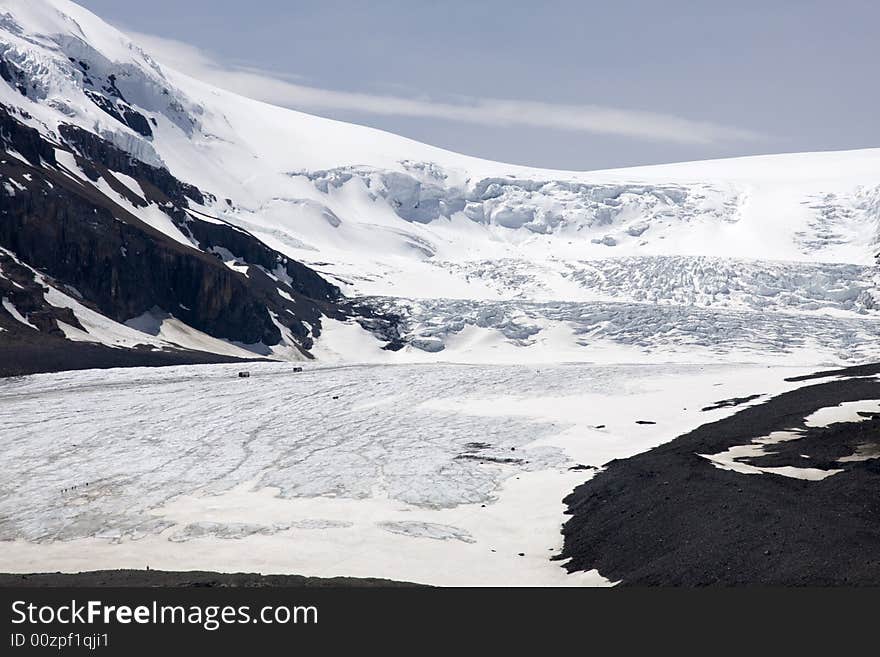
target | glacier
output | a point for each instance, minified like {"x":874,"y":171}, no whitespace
{"x":386,"y":217}
{"x":437,"y":473}
{"x":541,"y":315}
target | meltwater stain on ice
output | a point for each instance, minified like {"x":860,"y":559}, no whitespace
{"x":231,"y":530}
{"x":321,"y":523}
{"x":427,"y":530}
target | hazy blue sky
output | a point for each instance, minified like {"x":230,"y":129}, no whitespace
{"x":566,"y":84}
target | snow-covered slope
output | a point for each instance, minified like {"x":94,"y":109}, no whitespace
{"x":384,"y":216}
{"x":147,"y":218}
{"x":330,"y":183}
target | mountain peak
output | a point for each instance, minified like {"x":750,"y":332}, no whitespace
{"x":384,"y":217}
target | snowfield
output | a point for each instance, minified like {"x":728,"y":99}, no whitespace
{"x":780,"y":236}
{"x":542,"y":314}
{"x":441,"y":474}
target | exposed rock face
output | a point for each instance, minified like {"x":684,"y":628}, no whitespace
{"x":122,"y":113}
{"x":673,"y":517}
{"x":53,"y":223}
{"x":18,"y":287}
{"x":26,"y":141}
{"x":96,"y":151}
{"x":13,"y":76}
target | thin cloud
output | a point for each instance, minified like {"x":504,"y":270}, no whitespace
{"x":280,"y":89}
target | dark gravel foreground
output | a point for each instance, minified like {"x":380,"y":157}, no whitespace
{"x":669,"y":517}
{"x":164,"y":578}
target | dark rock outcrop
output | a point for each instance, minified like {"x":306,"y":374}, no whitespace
{"x":95,"y":151}
{"x":123,"y":113}
{"x":13,"y":76}
{"x":81,"y":238}
{"x":123,"y":266}
{"x":19,"y":286}
{"x":670,"y":517}
{"x":27,"y":142}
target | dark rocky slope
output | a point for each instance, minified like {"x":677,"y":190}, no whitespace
{"x":669,"y":517}
{"x":56,"y":225}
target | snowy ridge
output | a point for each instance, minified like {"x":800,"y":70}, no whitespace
{"x":532,"y":326}
{"x":384,"y":216}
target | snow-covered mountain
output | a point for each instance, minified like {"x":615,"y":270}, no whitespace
{"x":444,"y":255}
{"x":147,"y":218}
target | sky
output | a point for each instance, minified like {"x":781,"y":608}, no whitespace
{"x":561,"y":84}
